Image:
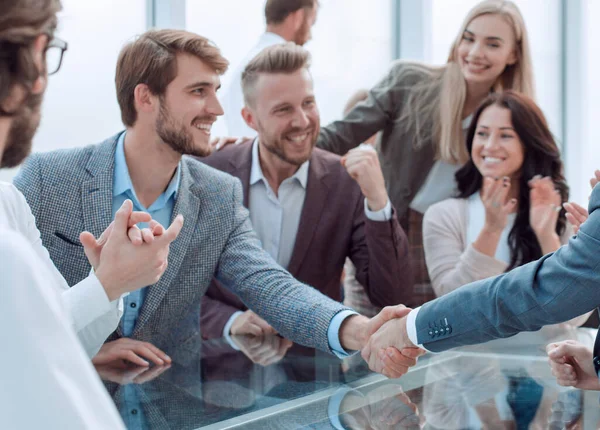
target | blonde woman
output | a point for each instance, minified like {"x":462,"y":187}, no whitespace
{"x":422,"y":112}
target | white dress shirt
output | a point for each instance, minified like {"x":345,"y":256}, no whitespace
{"x":47,"y":378}
{"x":233,"y":99}
{"x":88,"y":308}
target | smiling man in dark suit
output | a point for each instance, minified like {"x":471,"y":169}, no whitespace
{"x":311,"y":209}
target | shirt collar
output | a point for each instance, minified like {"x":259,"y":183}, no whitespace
{"x":122,"y":180}
{"x":256,"y":173}
{"x":271,"y":38}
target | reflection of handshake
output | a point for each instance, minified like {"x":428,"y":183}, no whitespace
{"x":385,"y":407}
{"x":383,"y":340}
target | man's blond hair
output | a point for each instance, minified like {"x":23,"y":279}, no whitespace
{"x":285,"y":58}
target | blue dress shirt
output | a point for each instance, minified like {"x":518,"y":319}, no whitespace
{"x":161,"y":211}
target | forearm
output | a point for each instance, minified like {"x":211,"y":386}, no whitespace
{"x":387,"y":277}
{"x":548,"y":242}
{"x":487,"y":241}
{"x":93,"y":317}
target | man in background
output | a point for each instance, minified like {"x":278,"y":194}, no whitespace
{"x":311,"y":209}
{"x":287,"y":21}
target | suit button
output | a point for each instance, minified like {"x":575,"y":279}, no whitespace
{"x":134,"y":412}
{"x":436,"y":332}
{"x":430,"y":333}
{"x":133,"y":305}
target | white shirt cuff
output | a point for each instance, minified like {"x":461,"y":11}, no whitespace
{"x":384,"y":214}
{"x":87,"y":301}
{"x":227,"y":329}
{"x":333,"y":334}
{"x":411,"y":327}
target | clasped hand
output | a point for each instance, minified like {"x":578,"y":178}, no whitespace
{"x":387,"y":349}
{"x":126,"y":258}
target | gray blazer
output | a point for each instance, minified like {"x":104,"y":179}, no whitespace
{"x":70,"y":191}
{"x":556,"y":288}
{"x":404,"y":165}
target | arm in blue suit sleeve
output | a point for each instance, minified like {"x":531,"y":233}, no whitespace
{"x":556,"y":288}
{"x":297,"y":311}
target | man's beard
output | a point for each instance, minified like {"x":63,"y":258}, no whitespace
{"x":20,"y":136}
{"x":176,"y":136}
{"x":276,"y":146}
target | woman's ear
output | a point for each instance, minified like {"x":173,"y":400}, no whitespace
{"x":512,"y":58}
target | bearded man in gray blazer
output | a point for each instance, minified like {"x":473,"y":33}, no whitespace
{"x":166,"y":87}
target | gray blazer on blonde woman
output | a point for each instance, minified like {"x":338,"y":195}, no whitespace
{"x":405,"y":166}
{"x":70,"y":191}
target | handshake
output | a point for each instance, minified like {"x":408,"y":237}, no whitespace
{"x":383,"y":341}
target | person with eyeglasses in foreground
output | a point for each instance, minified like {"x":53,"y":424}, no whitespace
{"x":48,"y":329}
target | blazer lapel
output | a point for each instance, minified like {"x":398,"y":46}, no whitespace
{"x":241,"y":166}
{"x":187,"y":204}
{"x":317,"y":190}
{"x":96,"y":193}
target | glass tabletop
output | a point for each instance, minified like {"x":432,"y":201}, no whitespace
{"x":272,"y":384}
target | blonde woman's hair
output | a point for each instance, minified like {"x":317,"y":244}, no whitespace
{"x":442,"y":94}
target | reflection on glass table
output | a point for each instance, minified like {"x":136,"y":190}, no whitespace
{"x":272,"y":384}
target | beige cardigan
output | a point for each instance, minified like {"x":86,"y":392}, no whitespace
{"x":451,"y":262}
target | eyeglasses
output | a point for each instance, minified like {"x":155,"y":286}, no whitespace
{"x":54,"y":54}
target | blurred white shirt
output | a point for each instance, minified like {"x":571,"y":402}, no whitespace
{"x":87,"y":306}
{"x":47,"y":379}
{"x":233,"y":99}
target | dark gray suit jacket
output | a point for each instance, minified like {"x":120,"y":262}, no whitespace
{"x":70,"y":191}
{"x":556,"y":288}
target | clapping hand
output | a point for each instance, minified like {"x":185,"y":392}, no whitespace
{"x":494,"y":199}
{"x":544,"y":207}
{"x":576,"y":214}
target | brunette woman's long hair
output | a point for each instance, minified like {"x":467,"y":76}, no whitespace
{"x":541,"y":157}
